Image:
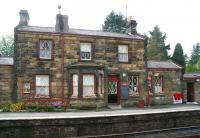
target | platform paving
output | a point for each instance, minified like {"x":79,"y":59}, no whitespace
{"x":91,"y":114}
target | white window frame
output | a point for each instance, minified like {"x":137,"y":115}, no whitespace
{"x":133,"y":88}
{"x":86,"y":50}
{"x":85,"y":85}
{"x":39,"y":86}
{"x":27,"y":87}
{"x":75,"y":85}
{"x":122,"y":53}
{"x":158,"y":86}
{"x":41,"y":45}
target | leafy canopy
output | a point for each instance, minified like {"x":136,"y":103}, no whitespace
{"x":157,"y":49}
{"x":178,"y":55}
{"x":195,"y":56}
{"x":7,"y":46}
{"x":115,"y":23}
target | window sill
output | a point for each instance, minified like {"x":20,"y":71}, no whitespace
{"x":42,"y":96}
{"x":134,"y":95}
{"x":26,"y":93}
{"x":159,"y":93}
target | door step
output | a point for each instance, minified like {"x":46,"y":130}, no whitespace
{"x":191,"y":103}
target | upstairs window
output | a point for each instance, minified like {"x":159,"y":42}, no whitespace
{"x":85,"y":51}
{"x":88,"y":85}
{"x":45,"y":49}
{"x":133,"y":85}
{"x":42,"y":86}
{"x":123,"y":53}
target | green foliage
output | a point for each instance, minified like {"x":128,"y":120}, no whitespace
{"x":6,"y":108}
{"x":7,"y":46}
{"x":193,"y":67}
{"x":178,"y":56}
{"x":195,"y":54}
{"x":115,"y":23}
{"x":157,"y":49}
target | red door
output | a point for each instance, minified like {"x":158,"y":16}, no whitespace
{"x":113,"y":89}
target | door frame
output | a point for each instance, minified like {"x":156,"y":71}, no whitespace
{"x":116,"y":78}
{"x":192,"y":95}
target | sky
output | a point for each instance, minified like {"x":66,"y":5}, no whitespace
{"x":179,"y":19}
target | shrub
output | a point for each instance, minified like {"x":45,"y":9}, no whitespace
{"x":17,"y":106}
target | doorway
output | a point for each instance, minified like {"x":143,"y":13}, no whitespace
{"x":190,"y":92}
{"x":113,"y":89}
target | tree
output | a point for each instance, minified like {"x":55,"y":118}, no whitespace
{"x":195,"y":56}
{"x":178,"y":55}
{"x":7,"y":46}
{"x":193,"y":67}
{"x":157,"y":49}
{"x":115,"y":23}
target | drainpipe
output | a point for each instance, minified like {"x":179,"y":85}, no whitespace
{"x":146,"y":69}
{"x":62,"y":67}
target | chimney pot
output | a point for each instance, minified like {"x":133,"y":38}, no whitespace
{"x":24,"y":17}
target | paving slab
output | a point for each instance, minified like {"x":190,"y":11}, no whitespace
{"x":91,"y":114}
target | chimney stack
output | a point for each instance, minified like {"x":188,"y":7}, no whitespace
{"x":131,"y":26}
{"x":24,"y":17}
{"x":61,"y":23}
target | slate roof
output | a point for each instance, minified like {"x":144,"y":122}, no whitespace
{"x":191,"y":75}
{"x":153,"y":64}
{"x":79,"y":32}
{"x":6,"y":61}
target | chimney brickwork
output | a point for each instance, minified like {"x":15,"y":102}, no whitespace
{"x":24,"y":18}
{"x":61,"y":23}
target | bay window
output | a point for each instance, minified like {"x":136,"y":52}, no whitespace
{"x":74,"y":85}
{"x":88,"y":85}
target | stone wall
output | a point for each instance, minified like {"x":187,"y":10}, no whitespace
{"x":27,"y":64}
{"x":171,"y":83}
{"x":6,"y":77}
{"x":197,"y":92}
{"x":108,"y":126}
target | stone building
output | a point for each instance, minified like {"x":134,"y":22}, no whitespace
{"x":6,"y":76}
{"x":84,"y":68}
{"x":164,"y":79}
{"x":76,"y":67}
{"x":192,"y":87}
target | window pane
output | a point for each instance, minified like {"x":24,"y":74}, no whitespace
{"x":85,"y":47}
{"x":123,"y":57}
{"x":42,"y":80}
{"x":122,"y":49}
{"x":45,"y":49}
{"x":42,"y":85}
{"x":88,"y":80}
{"x":158,"y":84}
{"x":133,"y":84}
{"x":88,"y":85}
{"x":75,"y":85}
